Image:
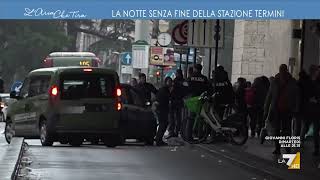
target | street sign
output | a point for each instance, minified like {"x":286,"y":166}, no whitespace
{"x":201,"y":33}
{"x":140,"y":55}
{"x":126,"y":58}
{"x":180,"y":49}
{"x":16,"y":86}
{"x":126,"y":69}
{"x":156,"y":55}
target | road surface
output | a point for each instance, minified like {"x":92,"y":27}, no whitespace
{"x":131,"y":162}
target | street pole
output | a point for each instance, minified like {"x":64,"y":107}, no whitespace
{"x":187,"y":63}
{"x":210,"y":59}
{"x":195,"y":56}
{"x":217,"y":38}
{"x":180,"y":61}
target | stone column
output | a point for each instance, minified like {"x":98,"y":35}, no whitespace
{"x":260,"y":47}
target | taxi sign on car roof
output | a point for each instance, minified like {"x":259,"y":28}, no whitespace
{"x":72,"y":54}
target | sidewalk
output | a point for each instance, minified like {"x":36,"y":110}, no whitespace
{"x":9,"y":155}
{"x":260,"y":157}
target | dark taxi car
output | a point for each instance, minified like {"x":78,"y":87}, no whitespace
{"x":138,"y":120}
{"x":67,"y":104}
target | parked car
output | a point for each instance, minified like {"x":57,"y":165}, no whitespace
{"x":5,"y":101}
{"x":138,"y":120}
{"x":60,"y":59}
{"x":67,"y":104}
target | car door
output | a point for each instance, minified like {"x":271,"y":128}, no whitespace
{"x":138,"y":109}
{"x":126,"y":101}
{"x":36,"y":102}
{"x":19,"y":116}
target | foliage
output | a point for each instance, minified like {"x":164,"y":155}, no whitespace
{"x":25,"y":43}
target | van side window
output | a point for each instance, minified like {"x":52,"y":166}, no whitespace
{"x":25,"y":88}
{"x":39,"y":85}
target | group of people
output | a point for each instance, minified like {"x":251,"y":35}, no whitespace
{"x":276,"y":102}
{"x":169,"y":98}
{"x":283,"y":105}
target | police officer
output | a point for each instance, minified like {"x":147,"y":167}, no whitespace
{"x":145,"y":88}
{"x":198,"y":83}
{"x":163,"y":100}
{"x":223,"y":88}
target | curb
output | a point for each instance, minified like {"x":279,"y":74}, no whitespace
{"x":15,"y":171}
{"x":242,"y":164}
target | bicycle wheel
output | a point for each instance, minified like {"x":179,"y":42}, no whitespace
{"x":240,"y":137}
{"x":202,"y":131}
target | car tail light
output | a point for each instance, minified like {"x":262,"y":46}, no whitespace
{"x":119,"y":92}
{"x":54,"y":91}
{"x":119,"y":106}
{"x":48,"y":62}
{"x":87,"y":70}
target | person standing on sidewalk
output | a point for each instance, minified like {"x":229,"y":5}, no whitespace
{"x":163,"y":103}
{"x":261,"y":86}
{"x":250,"y":92}
{"x":1,"y":85}
{"x":281,"y":104}
{"x":240,"y":96}
{"x":177,"y":94}
{"x":312,"y":111}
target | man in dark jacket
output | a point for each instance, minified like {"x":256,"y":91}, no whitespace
{"x":223,"y":88}
{"x":312,"y":107}
{"x":198,"y":84}
{"x":282,"y":103}
{"x":163,"y":100}
{"x":177,"y":94}
{"x":145,"y":88}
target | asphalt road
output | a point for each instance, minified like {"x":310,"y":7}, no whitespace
{"x":131,"y":162}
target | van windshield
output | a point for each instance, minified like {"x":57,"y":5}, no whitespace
{"x":77,"y":86}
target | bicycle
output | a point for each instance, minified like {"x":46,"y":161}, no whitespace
{"x":207,"y":121}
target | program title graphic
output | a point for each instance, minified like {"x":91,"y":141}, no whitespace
{"x":188,"y":13}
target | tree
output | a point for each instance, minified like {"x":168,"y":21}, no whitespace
{"x":107,"y":30}
{"x":25,"y":43}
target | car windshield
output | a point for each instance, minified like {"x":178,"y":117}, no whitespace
{"x":76,"y":86}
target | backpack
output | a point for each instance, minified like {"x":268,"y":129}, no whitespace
{"x":249,"y":96}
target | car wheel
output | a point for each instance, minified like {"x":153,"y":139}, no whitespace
{"x":149,"y":141}
{"x":76,"y":142}
{"x":45,"y":138}
{"x":9,"y":132}
{"x":112,"y":141}
{"x":63,"y":141}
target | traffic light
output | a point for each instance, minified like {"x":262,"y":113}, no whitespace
{"x":158,"y":73}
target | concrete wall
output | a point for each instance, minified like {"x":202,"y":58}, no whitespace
{"x":260,"y":47}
